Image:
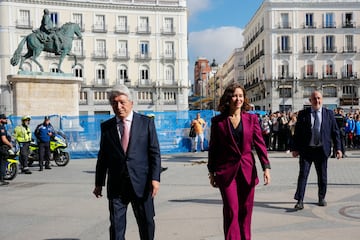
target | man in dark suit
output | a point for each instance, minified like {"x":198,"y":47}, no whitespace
{"x":130,"y":157}
{"x":315,"y":131}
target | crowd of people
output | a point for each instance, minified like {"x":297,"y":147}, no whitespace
{"x":278,"y":129}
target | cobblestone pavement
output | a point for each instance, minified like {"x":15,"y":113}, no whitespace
{"x":57,"y":204}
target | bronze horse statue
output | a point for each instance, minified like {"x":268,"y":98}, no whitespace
{"x":36,"y":43}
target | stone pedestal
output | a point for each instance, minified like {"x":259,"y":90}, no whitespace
{"x":40,"y":94}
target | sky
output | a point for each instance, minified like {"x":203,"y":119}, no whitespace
{"x":215,"y":28}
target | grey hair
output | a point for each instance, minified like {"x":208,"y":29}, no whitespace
{"x":118,"y":90}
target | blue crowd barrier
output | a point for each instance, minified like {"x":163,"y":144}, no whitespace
{"x":83,"y":132}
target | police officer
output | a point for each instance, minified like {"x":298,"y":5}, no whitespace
{"x":341,"y":122}
{"x":5,"y":146}
{"x":44,"y":131}
{"x":22,"y":134}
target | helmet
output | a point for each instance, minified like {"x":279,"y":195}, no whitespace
{"x":25,"y":118}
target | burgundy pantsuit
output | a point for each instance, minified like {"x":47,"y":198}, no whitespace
{"x":233,"y":165}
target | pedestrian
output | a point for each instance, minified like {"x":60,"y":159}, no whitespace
{"x":5,"y":146}
{"x":341,"y":122}
{"x":199,"y":125}
{"x":315,"y":131}
{"x":129,"y":157}
{"x":44,"y":131}
{"x":231,"y":162}
{"x":22,"y":135}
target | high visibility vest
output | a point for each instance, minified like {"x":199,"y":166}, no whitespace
{"x":22,"y":134}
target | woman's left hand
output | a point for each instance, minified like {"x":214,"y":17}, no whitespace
{"x":267,"y":176}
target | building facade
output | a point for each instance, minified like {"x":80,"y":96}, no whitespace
{"x":294,"y":47}
{"x":142,"y":44}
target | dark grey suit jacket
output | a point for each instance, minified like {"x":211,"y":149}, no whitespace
{"x":142,"y":162}
{"x":329,"y":132}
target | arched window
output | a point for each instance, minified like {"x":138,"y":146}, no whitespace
{"x":144,"y":75}
{"x":54,"y":68}
{"x":309,"y":71}
{"x":100,"y":75}
{"x":122,"y":74}
{"x":78,"y":71}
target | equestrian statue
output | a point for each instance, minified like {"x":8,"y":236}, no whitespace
{"x":49,"y":39}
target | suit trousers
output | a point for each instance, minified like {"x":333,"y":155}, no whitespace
{"x":143,"y":209}
{"x":238,"y":203}
{"x":316,"y":156}
{"x":44,"y":154}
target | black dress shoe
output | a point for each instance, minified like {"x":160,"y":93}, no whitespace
{"x":299,"y":205}
{"x":47,"y":167}
{"x":322,"y":203}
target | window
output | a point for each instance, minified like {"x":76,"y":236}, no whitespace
{"x":329,"y":20}
{"x":168,"y":25}
{"x":309,"y":20}
{"x":349,"y":90}
{"x":284,"y":20}
{"x":77,"y":18}
{"x":121,"y":25}
{"x":329,"y":69}
{"x":122,"y":48}
{"x":169,"y":75}
{"x":100,"y":96}
{"x":100,"y":75}
{"x":54,"y":19}
{"x":309,"y":44}
{"x":284,"y":44}
{"x":144,"y":24}
{"x":144,"y":49}
{"x":169,"y":49}
{"x":310,"y":69}
{"x":24,"y":18}
{"x":284,"y":70}
{"x":348,"y":70}
{"x":99,"y":23}
{"x":54,"y":68}
{"x":308,"y":90}
{"x":349,"y":43}
{"x":144,"y":75}
{"x":285,"y":92}
{"x":348,"y":21}
{"x":77,"y":47}
{"x":329,"y":92}
{"x":83,"y":96}
{"x":100,"y":50}
{"x":78,"y":72}
{"x":329,"y":44}
{"x":122,"y":74}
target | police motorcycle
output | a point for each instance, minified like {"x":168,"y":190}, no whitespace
{"x":12,"y":167}
{"x":58,"y":152}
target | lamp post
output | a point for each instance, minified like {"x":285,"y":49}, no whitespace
{"x":214,"y":69}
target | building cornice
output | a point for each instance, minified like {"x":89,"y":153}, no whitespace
{"x":110,"y":4}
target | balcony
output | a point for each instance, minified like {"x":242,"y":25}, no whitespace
{"x":329,"y":75}
{"x":145,"y":83}
{"x":99,"y":55}
{"x":121,"y":56}
{"x":309,"y":50}
{"x":101,"y":82}
{"x":121,"y":29}
{"x":99,"y":28}
{"x":284,"y":25}
{"x":349,"y":24}
{"x":168,"y":31}
{"x":329,"y":25}
{"x":350,"y":49}
{"x":311,"y":25}
{"x":329,"y":49}
{"x":143,"y":30}
{"x":143,"y":57}
{"x":349,"y":75}
{"x":310,"y":75}
{"x":24,"y":24}
{"x":287,"y":50}
{"x":168,"y":57}
{"x":125,"y":81}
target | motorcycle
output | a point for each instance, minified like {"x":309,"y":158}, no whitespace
{"x":12,"y":168}
{"x":58,"y":153}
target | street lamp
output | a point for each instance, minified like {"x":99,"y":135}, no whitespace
{"x":214,"y":69}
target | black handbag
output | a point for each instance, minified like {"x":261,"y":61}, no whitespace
{"x":192,"y":132}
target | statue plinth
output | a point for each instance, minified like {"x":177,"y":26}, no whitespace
{"x":39,"y":94}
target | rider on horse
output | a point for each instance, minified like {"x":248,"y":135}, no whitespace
{"x":50,"y":31}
